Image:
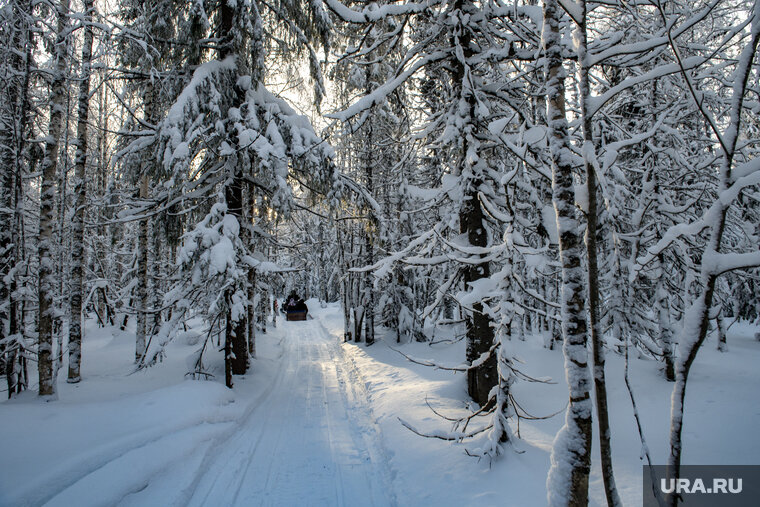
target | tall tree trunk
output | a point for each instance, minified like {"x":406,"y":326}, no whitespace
{"x":251,"y":273}
{"x":594,"y":301}
{"x":155,"y":263}
{"x":263,"y":309}
{"x":251,"y":313}
{"x":19,"y":379}
{"x":12,"y":128}
{"x":368,"y":298}
{"x":662,"y":297}
{"x":480,"y":333}
{"x":46,"y":283}
{"x":143,"y":328}
{"x":80,"y":189}
{"x":7,"y":248}
{"x":568,"y":479}
{"x":235,"y":335}
{"x":16,"y":370}
{"x":597,"y":345}
{"x":355,"y":285}
{"x":61,"y":274}
{"x":143,"y":298}
{"x":344,"y":283}
{"x":501,"y":433}
{"x":236,"y":328}
{"x":228,"y":354}
{"x":358,"y":321}
{"x":665,"y":333}
{"x":101,"y":180}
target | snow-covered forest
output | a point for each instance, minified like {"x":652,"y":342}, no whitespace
{"x":542,"y":216}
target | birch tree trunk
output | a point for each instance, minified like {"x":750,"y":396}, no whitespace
{"x":18,"y":379}
{"x":7,"y":251}
{"x":720,"y":323}
{"x":143,"y":270}
{"x":80,"y":189}
{"x":12,"y":128}
{"x":567,"y":483}
{"x":46,"y":283}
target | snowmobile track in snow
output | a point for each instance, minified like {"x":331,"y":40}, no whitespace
{"x":309,"y":440}
{"x":304,"y":436}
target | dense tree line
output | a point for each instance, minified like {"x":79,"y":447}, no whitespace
{"x":584,"y":173}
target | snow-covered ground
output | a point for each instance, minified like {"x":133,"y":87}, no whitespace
{"x":316,"y":422}
{"x":722,"y":414}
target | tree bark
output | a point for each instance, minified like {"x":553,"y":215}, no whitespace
{"x":568,"y":479}
{"x":665,"y":334}
{"x":662,"y":297}
{"x":236,"y":359}
{"x":251,"y":313}
{"x":368,"y":298}
{"x":46,"y":283}
{"x":228,"y":354}
{"x":80,"y":190}
{"x":251,"y":275}
{"x":236,"y":329}
{"x":101,"y":177}
{"x":143,"y":300}
{"x":480,"y":333}
{"x":594,"y":301}
{"x":12,"y":129}
{"x":721,"y":328}
{"x":18,"y":379}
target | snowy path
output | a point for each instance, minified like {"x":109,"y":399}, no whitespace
{"x":297,"y":430}
{"x":304,"y":443}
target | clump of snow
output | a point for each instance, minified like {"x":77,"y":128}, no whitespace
{"x":581,"y":197}
{"x":549,"y":221}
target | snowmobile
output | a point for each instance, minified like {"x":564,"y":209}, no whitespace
{"x":295,"y":308}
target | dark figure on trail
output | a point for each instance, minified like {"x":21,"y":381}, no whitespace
{"x":294,"y":304}
{"x":291,"y":301}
